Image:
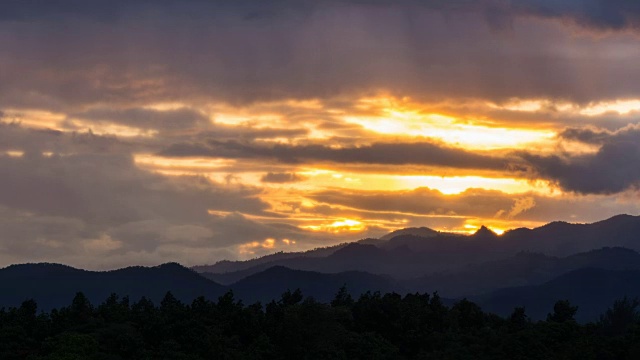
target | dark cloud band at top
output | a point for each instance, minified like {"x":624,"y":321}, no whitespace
{"x":599,"y":14}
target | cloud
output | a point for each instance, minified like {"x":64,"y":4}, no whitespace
{"x":521,"y":205}
{"x":599,"y":136}
{"x":603,"y":14}
{"x":55,"y":206}
{"x":433,"y":207}
{"x":614,"y":168}
{"x":597,"y":14}
{"x":281,"y":178}
{"x":425,"y":201}
{"x":173,"y":119}
{"x":14,"y":136}
{"x":252,"y":51}
{"x":424,"y":153}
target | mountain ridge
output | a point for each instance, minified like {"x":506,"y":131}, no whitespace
{"x":445,"y":251}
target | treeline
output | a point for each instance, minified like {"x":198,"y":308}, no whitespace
{"x":375,"y":326}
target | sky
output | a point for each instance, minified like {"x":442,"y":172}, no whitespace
{"x":142,"y":132}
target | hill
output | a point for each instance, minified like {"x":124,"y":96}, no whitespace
{"x":54,"y":285}
{"x":523,"y":269}
{"x":271,"y":283}
{"x":592,"y":290}
{"x":415,"y":231}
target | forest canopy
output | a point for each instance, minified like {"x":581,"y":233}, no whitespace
{"x":374,"y":326}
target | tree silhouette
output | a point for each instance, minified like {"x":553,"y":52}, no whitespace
{"x":563,"y":312}
{"x":374,"y":326}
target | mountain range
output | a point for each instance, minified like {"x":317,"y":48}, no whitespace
{"x":589,"y":264}
{"x":411,"y":254}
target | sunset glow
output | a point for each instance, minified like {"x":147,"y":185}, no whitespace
{"x":449,"y":130}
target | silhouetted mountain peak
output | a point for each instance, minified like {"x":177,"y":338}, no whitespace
{"x":556,"y":225}
{"x":618,"y":218}
{"x":416,"y":231}
{"x":172,"y":266}
{"x":485,"y":232}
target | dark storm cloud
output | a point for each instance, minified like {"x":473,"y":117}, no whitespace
{"x":593,"y":135}
{"x":281,"y":178}
{"x":615,"y":167}
{"x":424,"y":153}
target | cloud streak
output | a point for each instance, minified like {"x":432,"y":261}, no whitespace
{"x":424,"y":153}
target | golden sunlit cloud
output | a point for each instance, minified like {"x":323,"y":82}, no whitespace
{"x":398,"y":118}
{"x":620,"y":106}
{"x":268,"y":244}
{"x":165,"y":106}
{"x":446,"y":184}
{"x":250,"y":248}
{"x":14,"y":153}
{"x":337,"y":226}
{"x":34,"y":118}
{"x":521,"y":105}
{"x":181,"y":165}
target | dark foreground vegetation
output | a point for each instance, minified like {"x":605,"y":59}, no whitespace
{"x":374,"y":326}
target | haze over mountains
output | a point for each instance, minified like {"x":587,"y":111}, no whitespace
{"x":409,"y":254}
{"x":589,"y":264}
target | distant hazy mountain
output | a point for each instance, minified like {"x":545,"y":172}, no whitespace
{"x":271,"y":283}
{"x":520,"y":270}
{"x":399,"y":262}
{"x":267,"y":260}
{"x":416,"y":231}
{"x":407,"y":255}
{"x":258,"y":264}
{"x":592,"y":290}
{"x":53,"y":285}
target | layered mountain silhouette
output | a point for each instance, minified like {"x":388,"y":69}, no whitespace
{"x":415,"y":231}
{"x":407,"y":255}
{"x":520,"y":270}
{"x":589,"y":264}
{"x":271,"y":283}
{"x":592,"y":290}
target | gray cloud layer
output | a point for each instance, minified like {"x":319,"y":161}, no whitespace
{"x":281,"y":178}
{"x":424,"y":153}
{"x":612,"y":14}
{"x":127,"y":53}
{"x":615,"y":167}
